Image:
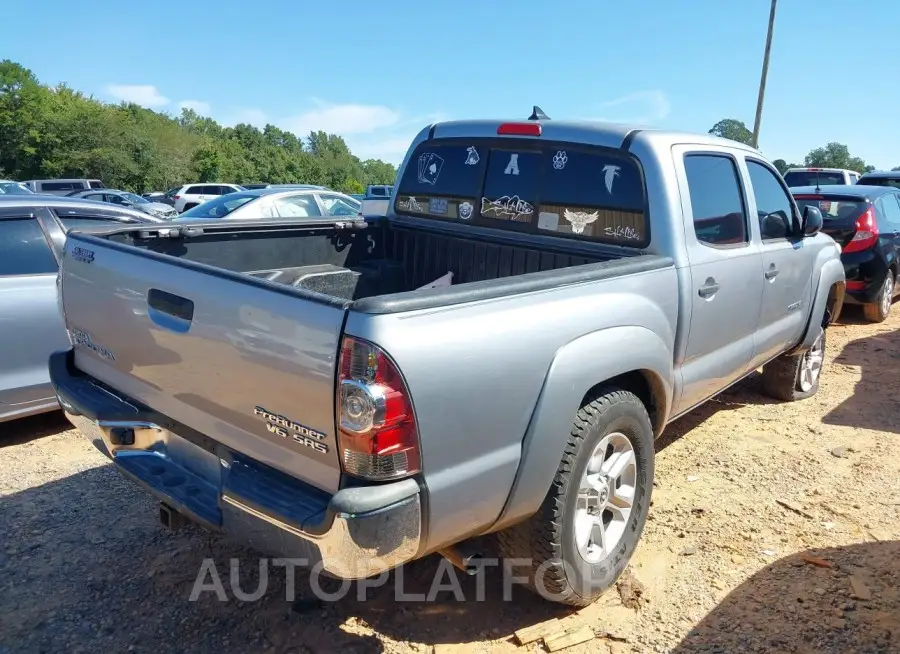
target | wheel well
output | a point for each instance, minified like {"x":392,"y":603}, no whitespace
{"x":648,"y":389}
{"x":834,"y":303}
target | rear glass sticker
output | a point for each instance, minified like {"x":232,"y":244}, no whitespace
{"x":472,"y":157}
{"x":465,"y":210}
{"x":622,"y":233}
{"x":409,"y":204}
{"x":512,"y":168}
{"x":548,"y":220}
{"x":430,"y":166}
{"x":507,"y":208}
{"x":437,"y":205}
{"x":580,"y":219}
{"x":610,"y":173}
{"x":560,"y":159}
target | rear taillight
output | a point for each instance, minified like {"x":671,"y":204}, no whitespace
{"x":866,"y":233}
{"x":177,"y":197}
{"x":856,"y":286}
{"x":378,"y":438}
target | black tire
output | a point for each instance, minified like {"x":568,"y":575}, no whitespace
{"x":558,"y":571}
{"x":879,"y":310}
{"x":781,"y":377}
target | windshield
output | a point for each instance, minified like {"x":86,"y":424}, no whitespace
{"x":135,"y":199}
{"x":833,"y":208}
{"x":812,"y":178}
{"x":220,"y":206}
{"x":565,"y":189}
{"x":13,"y":188}
{"x":880,"y":181}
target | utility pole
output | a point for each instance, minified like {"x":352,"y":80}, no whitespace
{"x":765,"y":72}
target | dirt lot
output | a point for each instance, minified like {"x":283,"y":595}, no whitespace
{"x":774,"y":528}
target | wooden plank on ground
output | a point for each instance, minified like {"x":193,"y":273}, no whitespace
{"x":537,"y":631}
{"x":561,"y":641}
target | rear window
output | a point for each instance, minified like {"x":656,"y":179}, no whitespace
{"x":559,"y":188}
{"x":833,"y":208}
{"x":807,"y":178}
{"x":62,"y":186}
{"x":880,"y":181}
{"x":219,"y":207}
{"x":96,"y":183}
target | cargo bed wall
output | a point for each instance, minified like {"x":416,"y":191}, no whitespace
{"x":428,"y":255}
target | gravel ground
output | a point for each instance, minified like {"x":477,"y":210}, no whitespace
{"x":774,"y":528}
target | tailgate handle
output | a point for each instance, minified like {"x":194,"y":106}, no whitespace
{"x":170,"y":311}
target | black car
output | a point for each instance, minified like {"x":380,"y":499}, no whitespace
{"x":865,"y":222}
{"x":889,"y":178}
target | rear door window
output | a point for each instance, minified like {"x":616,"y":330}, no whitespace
{"x":24,"y":249}
{"x":96,"y":183}
{"x":563,"y":189}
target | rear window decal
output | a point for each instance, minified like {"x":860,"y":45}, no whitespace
{"x":548,"y":220}
{"x":430,"y":166}
{"x":507,"y":208}
{"x":465,"y":210}
{"x":512,"y":168}
{"x":610,"y":173}
{"x":623,"y":233}
{"x":472,"y":157}
{"x":580,"y":219}
{"x":560,"y":159}
{"x":437,"y":205}
{"x":409,"y":204}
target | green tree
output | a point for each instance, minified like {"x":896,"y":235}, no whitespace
{"x":834,"y":155}
{"x":731,"y":128}
{"x":52,"y":132}
{"x":781,"y":165}
{"x":895,"y":168}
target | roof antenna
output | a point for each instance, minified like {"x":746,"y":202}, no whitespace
{"x":538,"y":114}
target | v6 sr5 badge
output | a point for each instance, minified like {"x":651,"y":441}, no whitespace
{"x":287,"y":428}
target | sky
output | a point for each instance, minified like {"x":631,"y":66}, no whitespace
{"x":376,"y":73}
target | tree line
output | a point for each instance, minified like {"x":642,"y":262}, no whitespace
{"x":56,"y":132}
{"x":830,"y":155}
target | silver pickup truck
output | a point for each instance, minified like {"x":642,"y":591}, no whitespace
{"x":493,"y":357}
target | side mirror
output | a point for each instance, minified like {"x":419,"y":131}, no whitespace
{"x":812,"y":221}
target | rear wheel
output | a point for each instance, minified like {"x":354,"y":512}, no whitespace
{"x":879,"y":310}
{"x":584,"y":534}
{"x":793,"y":377}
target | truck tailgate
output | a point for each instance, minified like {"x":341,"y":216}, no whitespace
{"x":244,"y":361}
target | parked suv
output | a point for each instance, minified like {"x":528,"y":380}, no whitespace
{"x":865,"y":221}
{"x":820,"y":177}
{"x":62,"y":186}
{"x":190,"y":195}
{"x":32,"y":235}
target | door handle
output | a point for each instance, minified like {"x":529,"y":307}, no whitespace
{"x":709,"y":288}
{"x":772,"y":272}
{"x":170,"y":311}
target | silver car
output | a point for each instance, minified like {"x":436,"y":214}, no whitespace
{"x":275,"y":202}
{"x":9,"y":187}
{"x":129,"y":200}
{"x":32,"y":236}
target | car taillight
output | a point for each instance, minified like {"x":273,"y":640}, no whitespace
{"x":377,"y":434}
{"x":866,"y":233}
{"x":177,"y":197}
{"x":856,"y":286}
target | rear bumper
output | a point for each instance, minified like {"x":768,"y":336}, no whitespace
{"x":355,"y":533}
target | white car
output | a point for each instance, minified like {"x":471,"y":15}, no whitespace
{"x":192,"y":195}
{"x":820,"y":177}
{"x":268,"y":203}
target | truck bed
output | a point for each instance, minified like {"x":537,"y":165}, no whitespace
{"x":379,"y":260}
{"x":183,"y":323}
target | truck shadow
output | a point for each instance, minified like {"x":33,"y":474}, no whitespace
{"x":873,"y":403}
{"x":829,"y":601}
{"x":25,"y":430}
{"x":76,"y":573}
{"x":747,"y":392}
